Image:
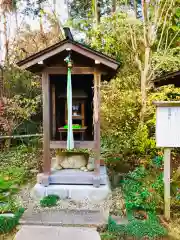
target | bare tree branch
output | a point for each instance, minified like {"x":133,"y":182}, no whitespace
{"x":177,"y":33}
{"x":167,"y":36}
{"x":158,"y":19}
{"x":164,"y":25}
{"x":144,"y":13}
{"x":165,"y":52}
{"x":135,"y":50}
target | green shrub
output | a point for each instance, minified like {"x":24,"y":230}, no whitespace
{"x":17,"y":164}
{"x":143,"y":189}
{"x":7,"y":224}
{"x":49,"y":201}
{"x":8,"y":206}
{"x":141,"y":193}
{"x":7,"y":188}
{"x":109,"y":236}
{"x":143,"y":144}
{"x":150,"y":228}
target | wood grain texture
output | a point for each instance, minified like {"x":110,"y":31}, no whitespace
{"x":83,"y":113}
{"x":97,"y":82}
{"x":166,"y":103}
{"x":91,"y":55}
{"x":60,"y":47}
{"x":46,"y":123}
{"x":42,"y":55}
{"x":54,"y":111}
{"x":77,"y":144}
{"x":167,"y":170}
{"x":75,"y":70}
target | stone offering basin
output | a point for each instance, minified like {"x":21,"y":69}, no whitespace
{"x":71,"y":160}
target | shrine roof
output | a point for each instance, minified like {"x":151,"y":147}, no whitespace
{"x":167,"y":79}
{"x":82,"y":51}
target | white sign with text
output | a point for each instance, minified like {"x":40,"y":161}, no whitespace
{"x":168,"y":126}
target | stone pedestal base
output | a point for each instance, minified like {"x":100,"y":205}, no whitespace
{"x":74,"y":192}
{"x":43,"y":179}
{"x":74,"y":177}
{"x":74,"y":184}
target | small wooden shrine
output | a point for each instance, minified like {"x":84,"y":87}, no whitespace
{"x":89,"y":68}
{"x":168,"y":79}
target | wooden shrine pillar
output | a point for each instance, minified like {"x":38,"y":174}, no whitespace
{"x":97,"y":83}
{"x":46,"y":124}
{"x":53,"y":112}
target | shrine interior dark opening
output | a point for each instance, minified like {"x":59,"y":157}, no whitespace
{"x":82,"y":107}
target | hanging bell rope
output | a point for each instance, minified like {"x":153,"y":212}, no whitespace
{"x":70,"y":137}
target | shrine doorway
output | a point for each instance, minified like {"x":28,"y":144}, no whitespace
{"x":82,"y":90}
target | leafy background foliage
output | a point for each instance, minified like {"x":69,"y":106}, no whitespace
{"x":128,"y":143}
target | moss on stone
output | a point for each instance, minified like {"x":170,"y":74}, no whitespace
{"x":49,"y":201}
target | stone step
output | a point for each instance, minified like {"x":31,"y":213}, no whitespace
{"x":58,"y":217}
{"x":77,"y":177}
{"x":56,"y":233}
{"x":74,"y":192}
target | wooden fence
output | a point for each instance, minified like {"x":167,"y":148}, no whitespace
{"x":21,"y":136}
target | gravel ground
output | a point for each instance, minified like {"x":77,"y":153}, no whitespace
{"x":25,"y":199}
{"x":118,"y":205}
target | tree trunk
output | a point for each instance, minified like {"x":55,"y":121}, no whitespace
{"x":57,"y":24}
{"x":41,"y":25}
{"x":135,"y":8}
{"x":1,"y":84}
{"x":54,"y":5}
{"x":6,"y":41}
{"x":96,"y":12}
{"x":8,"y":140}
{"x":16,"y":19}
{"x":143,"y":96}
{"x":113,"y":6}
{"x":40,"y":20}
{"x":42,"y":33}
{"x":144,"y":83}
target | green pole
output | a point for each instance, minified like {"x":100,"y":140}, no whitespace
{"x":70,"y":138}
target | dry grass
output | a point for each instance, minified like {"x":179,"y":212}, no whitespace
{"x":9,"y":236}
{"x":174,"y":229}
